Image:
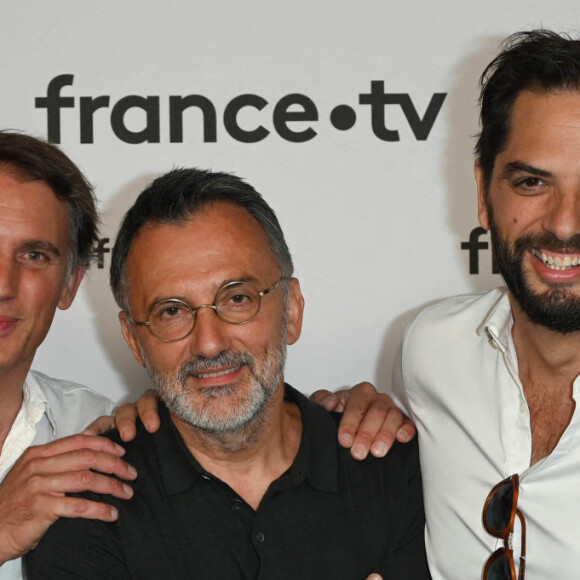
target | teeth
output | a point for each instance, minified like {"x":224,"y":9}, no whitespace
{"x":217,"y":374}
{"x":557,"y":263}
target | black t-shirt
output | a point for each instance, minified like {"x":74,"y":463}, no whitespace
{"x":328,"y":517}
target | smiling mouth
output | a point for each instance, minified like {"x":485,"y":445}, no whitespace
{"x":217,"y":373}
{"x":556,"y":262}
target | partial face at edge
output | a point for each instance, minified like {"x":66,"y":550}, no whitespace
{"x":34,"y":250}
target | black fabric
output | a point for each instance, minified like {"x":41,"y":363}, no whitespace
{"x":327,"y":517}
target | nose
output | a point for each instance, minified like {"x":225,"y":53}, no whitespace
{"x":9,"y":276}
{"x":209,"y":335}
{"x":563,"y":216}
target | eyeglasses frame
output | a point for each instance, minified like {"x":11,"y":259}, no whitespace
{"x":213,"y":306}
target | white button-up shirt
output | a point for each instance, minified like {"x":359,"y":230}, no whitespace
{"x":51,"y":409}
{"x":457,"y":378}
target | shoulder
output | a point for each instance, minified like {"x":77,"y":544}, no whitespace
{"x":453,"y":317}
{"x":399,"y":465}
{"x":69,"y":402}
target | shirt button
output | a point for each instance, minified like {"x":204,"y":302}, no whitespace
{"x":523,"y":407}
{"x":237,"y":504}
{"x":260,"y":537}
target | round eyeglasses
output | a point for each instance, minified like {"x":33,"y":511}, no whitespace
{"x":236,"y":302}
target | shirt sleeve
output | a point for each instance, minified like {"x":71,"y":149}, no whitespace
{"x":78,"y":549}
{"x":398,"y":391}
{"x":409,"y":559}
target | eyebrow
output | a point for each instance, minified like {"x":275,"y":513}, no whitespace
{"x":516,"y":167}
{"x":216,"y":287}
{"x":41,"y":245}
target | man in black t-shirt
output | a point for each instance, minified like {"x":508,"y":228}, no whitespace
{"x":245,"y":478}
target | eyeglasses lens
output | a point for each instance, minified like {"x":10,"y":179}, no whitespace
{"x":237,"y":302}
{"x":499,"y":509}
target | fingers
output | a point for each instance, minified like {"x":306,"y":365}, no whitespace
{"x":100,"y":425}
{"x":406,"y":432}
{"x":75,"y":442}
{"x":80,"y":481}
{"x":146,"y":408}
{"x":78,"y":507}
{"x":328,"y":400}
{"x":378,"y":429}
{"x":357,"y":404}
{"x":81,"y":460}
{"x":372,"y":422}
{"x":41,"y":466}
{"x":125,"y":421}
{"x":32,"y":495}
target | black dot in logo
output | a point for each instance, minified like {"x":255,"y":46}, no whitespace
{"x":343,"y":117}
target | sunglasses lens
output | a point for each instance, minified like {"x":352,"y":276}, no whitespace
{"x":499,"y":509}
{"x":499,"y":567}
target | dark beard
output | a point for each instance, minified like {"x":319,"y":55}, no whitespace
{"x":557,"y":308}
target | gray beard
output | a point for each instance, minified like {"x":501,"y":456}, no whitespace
{"x":241,"y":427}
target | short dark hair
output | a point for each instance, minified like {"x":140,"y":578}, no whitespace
{"x":29,"y":159}
{"x":538,"y":60}
{"x":178,"y":195}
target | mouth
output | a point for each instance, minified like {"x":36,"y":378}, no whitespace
{"x":557,"y":262}
{"x":6,"y":324}
{"x":217,"y":373}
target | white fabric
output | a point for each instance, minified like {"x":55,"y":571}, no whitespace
{"x":51,"y":409}
{"x":459,"y":382}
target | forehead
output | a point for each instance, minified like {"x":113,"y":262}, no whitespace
{"x":221,"y":243}
{"x":545,"y":126}
{"x":29,"y":210}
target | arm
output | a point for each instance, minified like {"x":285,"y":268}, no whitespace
{"x":125,"y":418}
{"x":370,"y":421}
{"x":32,"y":495}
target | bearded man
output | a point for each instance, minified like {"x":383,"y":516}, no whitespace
{"x":245,"y":478}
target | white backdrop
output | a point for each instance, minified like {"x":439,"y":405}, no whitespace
{"x":375,"y":226}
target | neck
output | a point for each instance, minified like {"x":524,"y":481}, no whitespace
{"x":548,"y":364}
{"x":251,"y":458}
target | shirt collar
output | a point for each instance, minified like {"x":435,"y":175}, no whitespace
{"x":316,"y":461}
{"x":498,"y":323}
{"x":35,"y":402}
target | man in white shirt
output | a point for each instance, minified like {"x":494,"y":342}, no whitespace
{"x":491,"y":380}
{"x":48,"y":224}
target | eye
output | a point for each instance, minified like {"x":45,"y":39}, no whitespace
{"x":239,"y":298}
{"x":530,"y":182}
{"x":531,"y":185}
{"x":36,"y":256}
{"x":35,"y":259}
{"x":167,"y":311}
